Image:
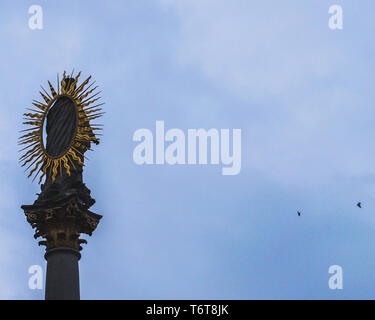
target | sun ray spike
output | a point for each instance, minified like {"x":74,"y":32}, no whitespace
{"x":54,"y":94}
{"x":63,"y":83}
{"x":83,"y":84}
{"x":40,"y":169}
{"x":36,"y":132}
{"x":47,"y":94}
{"x":25,"y":156}
{"x":40,"y":105}
{"x":83,"y":92}
{"x":36,"y":167}
{"x":29,"y":129}
{"x":88,"y":99}
{"x":45,"y":98}
{"x":38,"y":157}
{"x":30,"y":146}
{"x":97,"y":105}
{"x":83,"y":96}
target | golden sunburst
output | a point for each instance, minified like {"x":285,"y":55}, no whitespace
{"x":83,"y":97}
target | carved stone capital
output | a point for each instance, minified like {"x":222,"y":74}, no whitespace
{"x":61,"y":226}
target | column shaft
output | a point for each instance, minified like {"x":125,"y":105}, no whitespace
{"x":62,"y":279}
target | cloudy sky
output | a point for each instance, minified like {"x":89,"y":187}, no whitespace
{"x":303,"y":96}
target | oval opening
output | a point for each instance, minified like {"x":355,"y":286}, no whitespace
{"x":59,"y":127}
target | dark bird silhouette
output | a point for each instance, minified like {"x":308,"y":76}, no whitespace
{"x":359,"y":205}
{"x":299,"y":213}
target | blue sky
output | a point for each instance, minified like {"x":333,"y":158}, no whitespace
{"x":303,"y":96}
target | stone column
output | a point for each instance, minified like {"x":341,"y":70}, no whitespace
{"x":62,"y":279}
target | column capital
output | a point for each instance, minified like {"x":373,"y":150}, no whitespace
{"x":61,"y":226}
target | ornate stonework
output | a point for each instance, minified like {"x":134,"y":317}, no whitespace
{"x":61,"y":222}
{"x":62,"y":227}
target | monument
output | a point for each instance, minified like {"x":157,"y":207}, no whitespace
{"x":60,"y":132}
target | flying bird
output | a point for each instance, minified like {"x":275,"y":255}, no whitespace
{"x":299,"y":213}
{"x":359,"y":205}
